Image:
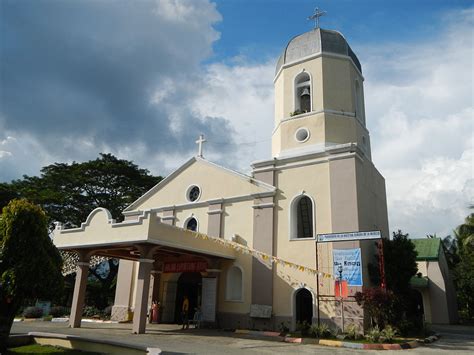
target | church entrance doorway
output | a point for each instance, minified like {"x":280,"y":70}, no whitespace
{"x":189,"y":284}
{"x":304,"y":306}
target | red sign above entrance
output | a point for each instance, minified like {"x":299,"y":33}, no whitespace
{"x":185,"y":266}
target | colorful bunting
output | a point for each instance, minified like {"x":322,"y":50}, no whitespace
{"x":70,"y":258}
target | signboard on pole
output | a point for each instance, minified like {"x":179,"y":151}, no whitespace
{"x":351,"y":263}
{"x":342,"y":237}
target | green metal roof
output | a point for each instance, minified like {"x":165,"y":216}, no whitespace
{"x":428,"y":248}
{"x":419,"y":282}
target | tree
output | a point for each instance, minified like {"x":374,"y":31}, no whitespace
{"x":464,"y":269}
{"x":399,"y":263}
{"x":451,"y":251}
{"x":7,"y":193}
{"x":379,"y":304}
{"x":69,"y":192}
{"x":30,"y":264}
{"x":400,"y":266}
{"x":465,"y":233}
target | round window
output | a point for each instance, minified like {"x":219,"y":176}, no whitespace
{"x":302,"y":135}
{"x":193,"y":193}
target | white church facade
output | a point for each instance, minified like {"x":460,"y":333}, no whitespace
{"x":244,"y":248}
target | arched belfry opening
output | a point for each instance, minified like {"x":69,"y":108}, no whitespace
{"x":304,"y":306}
{"x":303,"y":93}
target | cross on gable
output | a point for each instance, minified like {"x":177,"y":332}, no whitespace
{"x":199,"y":142}
{"x":315,"y":17}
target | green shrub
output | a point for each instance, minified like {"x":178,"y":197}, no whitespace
{"x":321,"y":331}
{"x":106,"y":312}
{"x":314,"y":331}
{"x":48,"y":318}
{"x":90,"y":311}
{"x":374,"y":334}
{"x":303,"y":327}
{"x":324,"y":330}
{"x":353,"y":332}
{"x":59,"y":311}
{"x":283,"y":327}
{"x":32,"y":312}
{"x":388,"y":334}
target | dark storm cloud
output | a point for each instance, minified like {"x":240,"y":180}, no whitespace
{"x":89,"y":69}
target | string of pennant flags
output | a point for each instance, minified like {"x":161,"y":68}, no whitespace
{"x":70,"y":258}
{"x":260,"y":255}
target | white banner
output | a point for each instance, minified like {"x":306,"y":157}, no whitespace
{"x":339,"y":237}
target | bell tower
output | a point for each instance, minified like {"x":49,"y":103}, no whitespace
{"x":319,"y":96}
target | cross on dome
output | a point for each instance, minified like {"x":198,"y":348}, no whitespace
{"x":315,"y":17}
{"x":199,"y":142}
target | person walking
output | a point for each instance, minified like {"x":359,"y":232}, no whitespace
{"x":185,"y":313}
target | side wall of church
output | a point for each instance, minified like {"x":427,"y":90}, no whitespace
{"x":236,"y":222}
{"x":313,"y":181}
{"x":371,"y":198}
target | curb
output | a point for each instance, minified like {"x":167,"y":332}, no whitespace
{"x":275,"y":336}
{"x":46,"y":337}
{"x":64,"y":320}
{"x":430,"y":339}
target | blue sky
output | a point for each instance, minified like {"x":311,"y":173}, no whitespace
{"x":253,"y":27}
{"x":142,"y":79}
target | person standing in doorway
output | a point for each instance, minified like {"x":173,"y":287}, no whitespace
{"x":155,"y":311}
{"x":185,"y":313}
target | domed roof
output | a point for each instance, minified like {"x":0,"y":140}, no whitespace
{"x":313,"y":42}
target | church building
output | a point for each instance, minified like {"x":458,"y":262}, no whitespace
{"x":255,"y":251}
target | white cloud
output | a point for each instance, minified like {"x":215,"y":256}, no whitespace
{"x":243,"y":95}
{"x":419,"y":100}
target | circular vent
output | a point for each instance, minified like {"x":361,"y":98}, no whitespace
{"x":302,"y":135}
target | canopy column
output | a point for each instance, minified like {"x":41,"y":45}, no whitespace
{"x":141,"y":295}
{"x":82,"y":271}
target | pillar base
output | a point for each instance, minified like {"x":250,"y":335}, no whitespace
{"x":120,"y":313}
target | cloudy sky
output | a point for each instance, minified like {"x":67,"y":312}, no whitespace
{"x":142,"y":79}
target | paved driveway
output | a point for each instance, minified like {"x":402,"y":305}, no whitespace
{"x":174,"y":341}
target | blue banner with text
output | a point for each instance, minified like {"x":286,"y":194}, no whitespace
{"x":350,"y":261}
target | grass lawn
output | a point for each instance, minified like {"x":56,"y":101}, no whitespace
{"x":45,"y":349}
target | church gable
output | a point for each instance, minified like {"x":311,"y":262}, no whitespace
{"x":199,"y":181}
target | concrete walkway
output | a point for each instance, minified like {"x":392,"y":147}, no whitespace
{"x":172,"y":340}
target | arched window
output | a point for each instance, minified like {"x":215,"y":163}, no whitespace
{"x":302,"y":93}
{"x":301,"y":218}
{"x":234,"y":284}
{"x":191,"y":224}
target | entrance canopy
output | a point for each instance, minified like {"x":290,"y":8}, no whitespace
{"x":143,"y":239}
{"x":125,"y":240}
